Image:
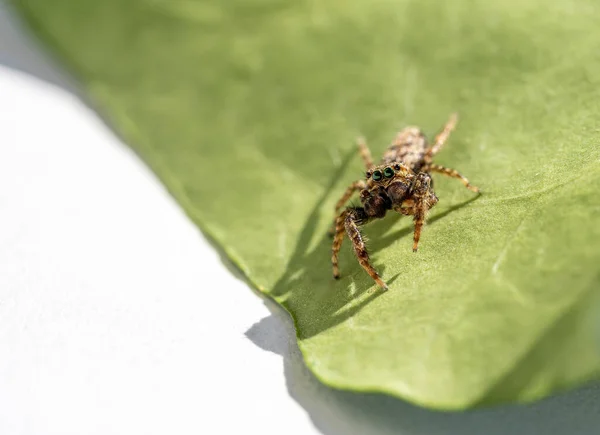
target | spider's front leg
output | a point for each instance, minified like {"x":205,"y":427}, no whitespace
{"x":357,"y":185}
{"x":349,"y":221}
{"x":365,"y":153}
{"x":420,"y":200}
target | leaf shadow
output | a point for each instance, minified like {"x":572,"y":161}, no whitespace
{"x":309,"y":267}
{"x":339,"y":412}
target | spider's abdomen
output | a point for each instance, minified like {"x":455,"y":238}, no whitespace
{"x":409,"y":147}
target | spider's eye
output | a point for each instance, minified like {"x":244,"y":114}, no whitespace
{"x":368,"y":174}
{"x":397,"y":167}
{"x":388,"y":172}
{"x":377,"y":175}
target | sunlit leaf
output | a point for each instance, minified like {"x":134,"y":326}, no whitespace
{"x":248,"y":112}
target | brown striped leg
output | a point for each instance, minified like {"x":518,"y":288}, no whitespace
{"x":365,"y":153}
{"x":423,"y":199}
{"x":337,"y":243}
{"x":357,"y":185}
{"x":353,"y":219}
{"x":418,"y":210}
{"x":451,"y":173}
{"x":441,"y":138}
{"x":419,"y":219}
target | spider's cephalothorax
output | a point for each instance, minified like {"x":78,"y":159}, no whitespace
{"x":401,"y":182}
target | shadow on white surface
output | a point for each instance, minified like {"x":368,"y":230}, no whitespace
{"x":19,"y":52}
{"x":337,"y":412}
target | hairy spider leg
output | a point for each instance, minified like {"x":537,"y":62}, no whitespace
{"x":350,"y":220}
{"x":441,"y":138}
{"x":365,"y":152}
{"x":337,"y":243}
{"x":453,"y":173}
{"x":422,"y":200}
{"x":357,"y":185}
{"x":418,"y":210}
{"x":419,"y":219}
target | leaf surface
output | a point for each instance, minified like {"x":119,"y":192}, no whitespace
{"x":248,"y":112}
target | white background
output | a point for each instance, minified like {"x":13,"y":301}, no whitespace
{"x":117,"y":317}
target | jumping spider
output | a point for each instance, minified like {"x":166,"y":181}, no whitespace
{"x":401,"y":182}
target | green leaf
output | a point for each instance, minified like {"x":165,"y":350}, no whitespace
{"x":248,"y":112}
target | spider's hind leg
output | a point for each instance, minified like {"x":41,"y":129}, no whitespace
{"x":365,"y":152}
{"x":453,"y":173}
{"x":441,"y":138}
